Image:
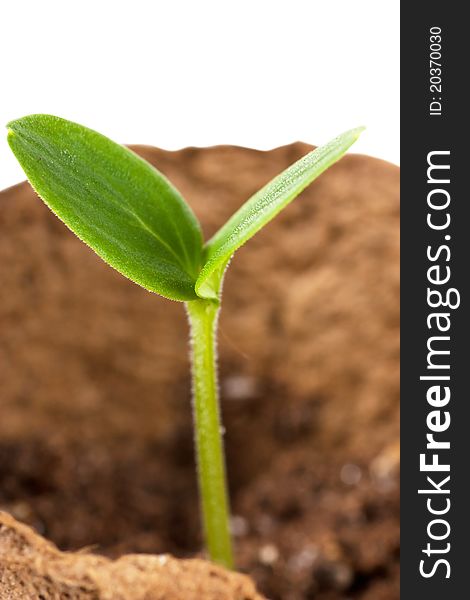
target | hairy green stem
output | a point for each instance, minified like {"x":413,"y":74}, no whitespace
{"x":208,"y":435}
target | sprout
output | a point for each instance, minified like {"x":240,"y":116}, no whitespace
{"x":138,"y":222}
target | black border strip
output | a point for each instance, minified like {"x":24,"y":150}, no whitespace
{"x":423,"y":132}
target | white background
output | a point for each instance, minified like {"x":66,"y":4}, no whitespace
{"x":174,"y":73}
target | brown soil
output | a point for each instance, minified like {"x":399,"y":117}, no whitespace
{"x":30,"y":567}
{"x":95,"y":427}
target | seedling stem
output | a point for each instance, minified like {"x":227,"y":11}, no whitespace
{"x":203,"y":315}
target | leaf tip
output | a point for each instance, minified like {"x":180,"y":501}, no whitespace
{"x":356,"y":132}
{"x":14,"y":126}
{"x":11,"y":134}
{"x":14,"y":129}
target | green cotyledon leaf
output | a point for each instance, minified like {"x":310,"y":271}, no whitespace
{"x":263,"y":207}
{"x":114,"y":201}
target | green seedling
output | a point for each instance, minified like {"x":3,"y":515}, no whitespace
{"x":139,"y":223}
